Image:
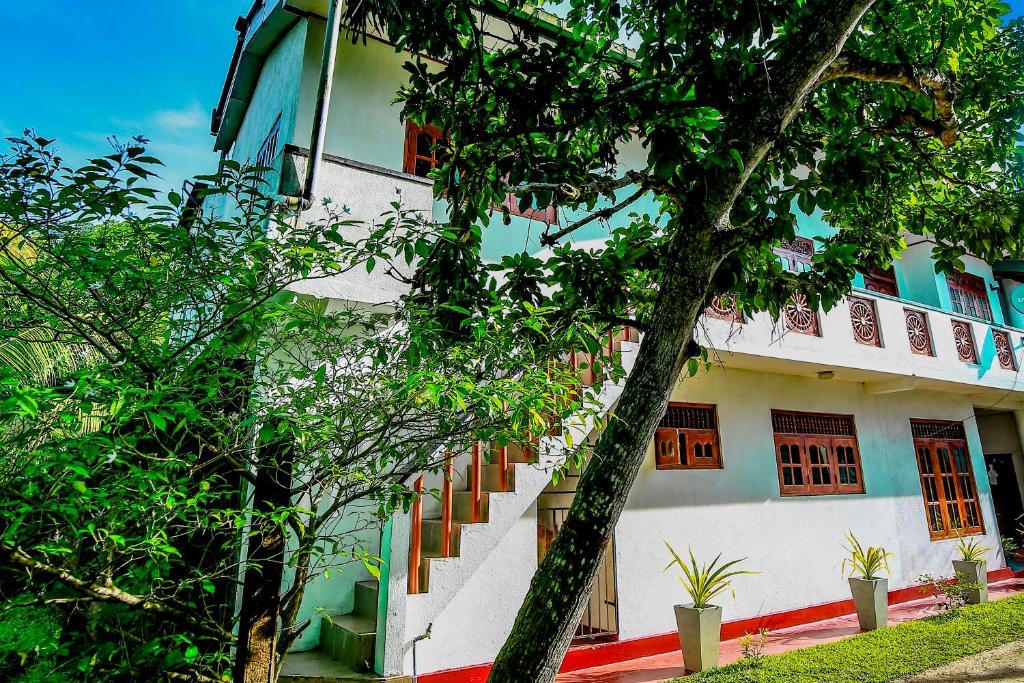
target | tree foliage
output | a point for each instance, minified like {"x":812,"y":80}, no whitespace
{"x":889,"y":118}
{"x":160,"y":367}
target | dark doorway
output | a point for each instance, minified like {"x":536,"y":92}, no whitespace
{"x":1002,"y":478}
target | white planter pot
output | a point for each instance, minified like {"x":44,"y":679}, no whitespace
{"x":700,"y":631}
{"x":977,"y":572}
{"x":871,"y":598}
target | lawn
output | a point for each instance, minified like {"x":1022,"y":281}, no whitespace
{"x":887,"y":654}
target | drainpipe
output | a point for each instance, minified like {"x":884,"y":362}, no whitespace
{"x":323,"y":104}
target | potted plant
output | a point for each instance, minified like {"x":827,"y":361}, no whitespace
{"x":700,"y":622}
{"x":870,"y":590}
{"x":972,"y":564}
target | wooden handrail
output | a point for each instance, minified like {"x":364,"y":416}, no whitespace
{"x":503,"y":466}
{"x":416,"y":541}
{"x":475,"y":482}
{"x":446,"y":505}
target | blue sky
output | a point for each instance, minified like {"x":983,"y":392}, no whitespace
{"x":82,"y":70}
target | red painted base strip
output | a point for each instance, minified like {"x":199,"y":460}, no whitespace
{"x":587,"y":656}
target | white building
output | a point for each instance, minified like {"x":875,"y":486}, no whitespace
{"x":897,"y":415}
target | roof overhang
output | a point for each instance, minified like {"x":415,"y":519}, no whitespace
{"x":266,"y":24}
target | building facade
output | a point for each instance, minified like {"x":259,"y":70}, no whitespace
{"x":897,"y":415}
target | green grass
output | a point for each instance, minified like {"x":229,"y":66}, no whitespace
{"x":887,"y":654}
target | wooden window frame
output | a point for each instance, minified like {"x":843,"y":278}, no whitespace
{"x":807,"y":442}
{"x":412,"y":155}
{"x":548,"y":215}
{"x":881,"y":280}
{"x":968,"y":295}
{"x":670,"y":441}
{"x":939,"y":479}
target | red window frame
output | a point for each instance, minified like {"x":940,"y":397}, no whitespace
{"x":420,"y":160}
{"x":968,"y":295}
{"x":816,"y":453}
{"x":881,"y":280}
{"x":548,"y":215}
{"x":687,"y":438}
{"x":951,"y":504}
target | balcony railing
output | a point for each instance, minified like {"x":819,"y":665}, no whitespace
{"x":872,"y":333}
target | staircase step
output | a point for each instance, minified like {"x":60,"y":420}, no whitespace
{"x":366,"y":599}
{"x":490,"y":477}
{"x":462,"y":507}
{"x":349,"y":639}
{"x":433,"y":532}
{"x":317,"y":667}
{"x":520,"y":453}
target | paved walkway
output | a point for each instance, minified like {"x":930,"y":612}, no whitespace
{"x":1005,"y":664}
{"x":670,"y":665}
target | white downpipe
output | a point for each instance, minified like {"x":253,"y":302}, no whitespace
{"x":323,"y":103}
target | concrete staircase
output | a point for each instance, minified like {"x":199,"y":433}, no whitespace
{"x":346,"y":649}
{"x":441,"y":578}
{"x":462,"y":511}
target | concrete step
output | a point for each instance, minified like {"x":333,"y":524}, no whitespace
{"x":433,"y":533}
{"x":317,"y":667}
{"x":490,"y":477}
{"x":366,"y":599}
{"x":462,"y":507}
{"x":349,"y":639}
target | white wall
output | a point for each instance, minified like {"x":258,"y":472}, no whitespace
{"x":473,"y":626}
{"x":796,"y":542}
{"x":999,"y":435}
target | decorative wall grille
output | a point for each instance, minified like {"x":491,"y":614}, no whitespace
{"x":918,"y":334}
{"x":964,"y":341}
{"x":689,"y":416}
{"x":938,"y":429}
{"x":864,"y":318}
{"x":786,"y":422}
{"x":723,"y":307}
{"x":800,"y":317}
{"x":1004,"y":350}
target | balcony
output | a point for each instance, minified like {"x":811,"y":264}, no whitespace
{"x":889,"y":344}
{"x":363,"y":193}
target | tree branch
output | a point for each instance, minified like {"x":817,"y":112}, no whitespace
{"x":926,"y":80}
{"x":107,"y":592}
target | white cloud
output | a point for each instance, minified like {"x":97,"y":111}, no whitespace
{"x":190,"y":118}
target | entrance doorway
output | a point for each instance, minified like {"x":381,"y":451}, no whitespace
{"x":600,"y":620}
{"x":1004,"y":469}
{"x":1002,"y":478}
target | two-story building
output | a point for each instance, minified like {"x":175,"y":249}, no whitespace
{"x":897,"y":415}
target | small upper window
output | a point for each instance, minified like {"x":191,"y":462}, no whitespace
{"x":687,"y":438}
{"x":424,"y":149}
{"x":969,"y":295}
{"x":548,"y":214}
{"x":268,"y":150}
{"x":881,"y":280}
{"x":796,"y":255}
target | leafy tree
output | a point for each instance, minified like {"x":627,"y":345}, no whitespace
{"x":176,"y":423}
{"x":888,"y":117}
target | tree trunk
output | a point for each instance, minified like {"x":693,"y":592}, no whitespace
{"x":561,"y":587}
{"x":260,"y":607}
